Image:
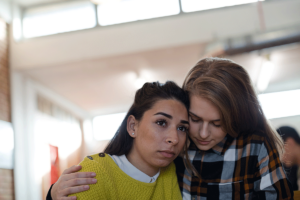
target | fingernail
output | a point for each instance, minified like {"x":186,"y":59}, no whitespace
{"x":86,"y":187}
{"x":93,"y":174}
{"x":94,"y":180}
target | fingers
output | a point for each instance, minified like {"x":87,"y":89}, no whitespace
{"x":78,"y":175}
{"x":80,"y":181}
{"x":72,"y":169}
{"x":72,"y":190}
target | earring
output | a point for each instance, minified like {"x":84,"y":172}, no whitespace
{"x":132,"y":133}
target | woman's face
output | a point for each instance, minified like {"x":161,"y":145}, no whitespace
{"x":205,"y":123}
{"x":161,"y":133}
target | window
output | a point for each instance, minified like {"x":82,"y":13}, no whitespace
{"x":58,"y":18}
{"x":133,"y":10}
{"x":196,"y":5}
{"x":105,"y":126}
{"x":280,"y":104}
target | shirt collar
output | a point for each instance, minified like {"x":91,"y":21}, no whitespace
{"x":132,"y":171}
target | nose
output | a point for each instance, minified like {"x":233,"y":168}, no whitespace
{"x":204,"y":132}
{"x":172,"y":137}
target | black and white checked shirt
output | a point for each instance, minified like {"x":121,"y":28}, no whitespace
{"x":246,"y":167}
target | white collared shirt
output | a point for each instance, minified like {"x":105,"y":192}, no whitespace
{"x":132,"y":171}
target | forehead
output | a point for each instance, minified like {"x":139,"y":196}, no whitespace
{"x":204,"y":108}
{"x":169,"y":106}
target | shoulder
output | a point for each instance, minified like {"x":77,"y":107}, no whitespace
{"x":100,"y":160}
{"x":257,"y":144}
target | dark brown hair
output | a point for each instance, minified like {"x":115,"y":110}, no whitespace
{"x":227,"y":85}
{"x":144,"y":100}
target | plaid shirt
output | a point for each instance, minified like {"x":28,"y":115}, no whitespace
{"x":247,"y":167}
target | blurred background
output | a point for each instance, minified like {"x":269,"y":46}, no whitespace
{"x":69,"y":70}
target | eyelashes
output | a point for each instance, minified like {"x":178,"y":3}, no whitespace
{"x":198,"y":120}
{"x":163,"y":123}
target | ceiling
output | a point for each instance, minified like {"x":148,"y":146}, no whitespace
{"x":107,"y":85}
{"x":28,"y":3}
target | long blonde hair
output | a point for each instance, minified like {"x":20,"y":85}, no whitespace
{"x":228,"y":86}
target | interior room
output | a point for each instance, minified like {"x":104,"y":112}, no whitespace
{"x":69,"y":70}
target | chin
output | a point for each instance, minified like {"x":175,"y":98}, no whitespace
{"x":203,"y":147}
{"x":163,"y":163}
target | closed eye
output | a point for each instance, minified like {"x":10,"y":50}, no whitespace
{"x":194,"y":120}
{"x":216,"y":125}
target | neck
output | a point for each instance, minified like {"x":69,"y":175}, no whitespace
{"x":140,"y":163}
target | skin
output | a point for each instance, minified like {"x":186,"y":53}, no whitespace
{"x":205,"y":129}
{"x":205,"y":124}
{"x":159,"y":137}
{"x":291,"y":153}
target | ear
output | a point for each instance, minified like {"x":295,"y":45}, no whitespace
{"x":132,"y":126}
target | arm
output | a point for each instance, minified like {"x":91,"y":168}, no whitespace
{"x":71,"y":181}
{"x":271,"y":181}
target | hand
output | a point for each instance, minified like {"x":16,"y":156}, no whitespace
{"x":71,"y":181}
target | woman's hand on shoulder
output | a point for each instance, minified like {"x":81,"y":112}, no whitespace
{"x":71,"y":181}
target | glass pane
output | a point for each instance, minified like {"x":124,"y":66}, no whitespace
{"x":105,"y":126}
{"x":58,"y":18}
{"x":196,"y":5}
{"x":133,"y":10}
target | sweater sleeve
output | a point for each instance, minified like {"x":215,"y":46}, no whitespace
{"x":272,"y":182}
{"x":49,"y":193}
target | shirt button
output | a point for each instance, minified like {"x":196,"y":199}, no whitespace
{"x":90,"y":157}
{"x":101,"y":154}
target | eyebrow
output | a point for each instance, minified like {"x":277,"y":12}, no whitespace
{"x":164,"y":114}
{"x":170,"y":117}
{"x":216,"y":120}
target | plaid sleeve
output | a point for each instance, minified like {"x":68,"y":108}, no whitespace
{"x":271,"y":180}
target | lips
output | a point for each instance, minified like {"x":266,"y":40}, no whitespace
{"x":167,"y":153}
{"x":202,"y":142}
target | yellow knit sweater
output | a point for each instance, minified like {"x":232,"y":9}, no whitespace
{"x":113,"y":183}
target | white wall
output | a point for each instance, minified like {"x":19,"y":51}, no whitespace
{"x":5,"y":10}
{"x":152,"y":34}
{"x":293,"y":121}
{"x":24,"y":107}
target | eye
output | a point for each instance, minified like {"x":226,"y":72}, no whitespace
{"x":216,"y":125}
{"x":161,"y":122}
{"x":182,"y":128}
{"x":194,"y":120}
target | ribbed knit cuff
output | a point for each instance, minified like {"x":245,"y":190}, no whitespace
{"x":49,"y":193}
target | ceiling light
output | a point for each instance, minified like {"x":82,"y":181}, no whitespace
{"x":139,"y":82}
{"x":265,"y":75}
{"x":104,"y":1}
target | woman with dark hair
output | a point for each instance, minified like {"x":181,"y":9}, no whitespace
{"x":233,"y":152}
{"x":138,"y":160}
{"x":291,"y":156}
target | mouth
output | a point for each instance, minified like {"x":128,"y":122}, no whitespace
{"x":203,"y":142}
{"x":167,"y":153}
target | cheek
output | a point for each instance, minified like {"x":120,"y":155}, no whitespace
{"x":181,"y":140}
{"x":219,"y":134}
{"x":149,"y":136}
{"x":193,"y":129}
